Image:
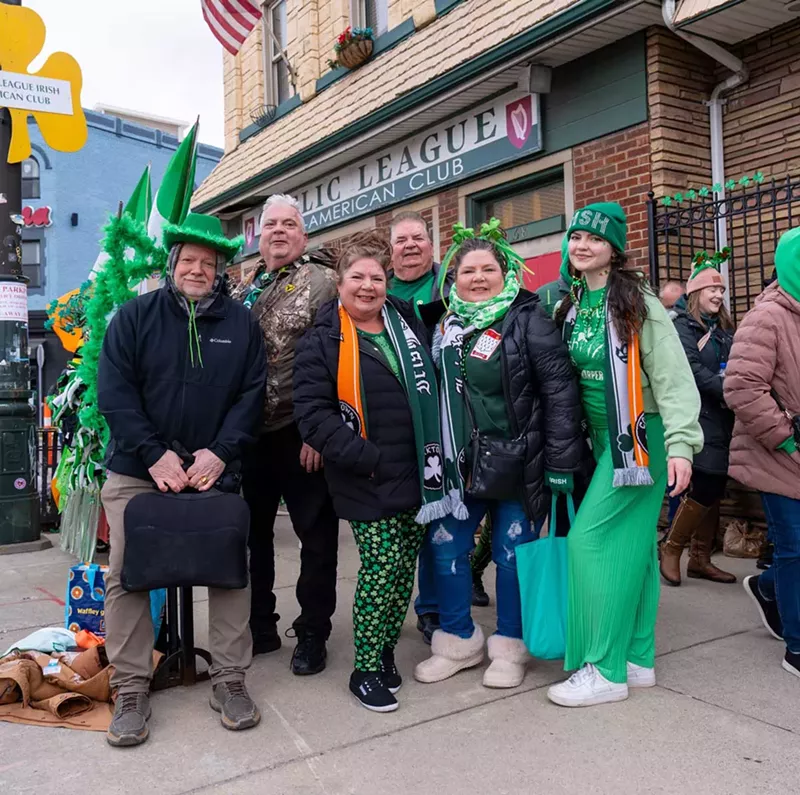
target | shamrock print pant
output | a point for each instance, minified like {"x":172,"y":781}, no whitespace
{"x":388,"y":549}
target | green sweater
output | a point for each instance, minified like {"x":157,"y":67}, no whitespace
{"x":668,"y":383}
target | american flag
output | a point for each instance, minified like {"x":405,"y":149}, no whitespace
{"x":231,"y":20}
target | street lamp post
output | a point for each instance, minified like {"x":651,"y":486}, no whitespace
{"x":19,"y":504}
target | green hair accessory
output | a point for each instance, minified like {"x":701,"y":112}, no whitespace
{"x":490,"y":231}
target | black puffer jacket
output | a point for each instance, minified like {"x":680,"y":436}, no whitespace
{"x":542,"y":398}
{"x":716,"y":419}
{"x":370,"y":478}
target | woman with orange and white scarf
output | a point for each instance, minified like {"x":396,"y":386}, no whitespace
{"x":365,"y":396}
{"x":642,"y":406}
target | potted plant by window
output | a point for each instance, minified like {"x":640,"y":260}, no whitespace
{"x":352,"y":48}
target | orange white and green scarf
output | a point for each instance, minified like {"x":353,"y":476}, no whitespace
{"x":627,"y":424}
{"x":418,"y":377}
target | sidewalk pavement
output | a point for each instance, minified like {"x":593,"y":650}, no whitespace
{"x":724,"y":717}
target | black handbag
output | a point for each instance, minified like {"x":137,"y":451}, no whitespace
{"x":186,"y":539}
{"x":497,"y":467}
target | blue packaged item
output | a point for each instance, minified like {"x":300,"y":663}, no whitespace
{"x":84,"y":606}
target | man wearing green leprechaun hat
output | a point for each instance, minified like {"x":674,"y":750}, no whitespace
{"x":181,"y":368}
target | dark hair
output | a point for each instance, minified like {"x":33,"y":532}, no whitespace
{"x":410,"y":215}
{"x":626,"y":291}
{"x":365,"y":245}
{"x":479,"y":244}
{"x":693,"y":308}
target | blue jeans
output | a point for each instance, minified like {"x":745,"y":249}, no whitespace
{"x":781,"y":581}
{"x":425,"y":602}
{"x":452,"y":540}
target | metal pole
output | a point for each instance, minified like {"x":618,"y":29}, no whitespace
{"x":19,"y":506}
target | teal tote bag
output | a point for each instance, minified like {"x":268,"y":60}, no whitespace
{"x":542,"y":573}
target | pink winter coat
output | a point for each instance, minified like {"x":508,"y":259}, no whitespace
{"x":765,"y":356}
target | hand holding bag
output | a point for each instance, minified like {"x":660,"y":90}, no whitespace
{"x":186,"y":539}
{"x":542,"y":574}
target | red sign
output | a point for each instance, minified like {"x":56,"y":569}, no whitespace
{"x":41,"y":216}
{"x":545,"y":269}
{"x":519,"y":121}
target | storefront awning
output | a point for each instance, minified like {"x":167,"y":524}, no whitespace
{"x":418,"y":83}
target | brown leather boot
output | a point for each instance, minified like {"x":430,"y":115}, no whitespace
{"x":689,"y":515}
{"x":700,"y":566}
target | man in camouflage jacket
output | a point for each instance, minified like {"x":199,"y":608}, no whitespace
{"x":287,"y":289}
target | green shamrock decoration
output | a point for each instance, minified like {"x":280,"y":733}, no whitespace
{"x":667,"y":201}
{"x":717,"y":187}
{"x":758,"y":177}
{"x":678,"y":198}
{"x":745,"y":181}
{"x":691,"y":195}
{"x":730,"y":184}
{"x":703,"y":192}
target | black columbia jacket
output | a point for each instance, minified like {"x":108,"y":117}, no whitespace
{"x":152,"y":395}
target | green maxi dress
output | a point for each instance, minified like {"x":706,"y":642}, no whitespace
{"x":613,"y":564}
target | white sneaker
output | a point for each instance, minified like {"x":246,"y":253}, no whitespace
{"x":639,"y":676}
{"x":585,"y":688}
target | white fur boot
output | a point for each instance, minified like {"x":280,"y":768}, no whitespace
{"x":509,"y":658}
{"x":451,"y":654}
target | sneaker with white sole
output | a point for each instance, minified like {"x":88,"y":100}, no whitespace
{"x":371,"y":691}
{"x":585,"y":688}
{"x":639,"y":676}
{"x":791,"y":663}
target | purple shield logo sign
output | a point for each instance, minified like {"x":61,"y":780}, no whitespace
{"x":519,"y":121}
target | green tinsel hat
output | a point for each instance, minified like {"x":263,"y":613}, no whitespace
{"x":706,"y":271}
{"x":490,"y":231}
{"x":203,"y":230}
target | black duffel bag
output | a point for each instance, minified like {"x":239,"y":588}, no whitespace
{"x":186,"y":539}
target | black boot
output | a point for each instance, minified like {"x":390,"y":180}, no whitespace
{"x":479,"y":596}
{"x":309,"y":655}
{"x":265,"y":641}
{"x":427,"y":624}
{"x":389,"y":673}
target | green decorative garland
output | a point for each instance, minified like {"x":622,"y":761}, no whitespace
{"x":132,"y":257}
{"x":691,"y":195}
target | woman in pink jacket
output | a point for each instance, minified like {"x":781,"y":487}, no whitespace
{"x":762,"y":386}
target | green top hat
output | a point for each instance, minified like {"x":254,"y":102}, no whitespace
{"x":204,"y":230}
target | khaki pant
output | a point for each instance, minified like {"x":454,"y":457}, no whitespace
{"x":129,"y":627}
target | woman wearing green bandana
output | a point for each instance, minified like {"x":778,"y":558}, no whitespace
{"x":642,"y":405}
{"x":506,"y":381}
{"x":365,"y":396}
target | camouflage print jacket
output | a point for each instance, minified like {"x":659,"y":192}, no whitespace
{"x":285,"y":303}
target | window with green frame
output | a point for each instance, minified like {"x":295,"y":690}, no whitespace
{"x":527,"y":208}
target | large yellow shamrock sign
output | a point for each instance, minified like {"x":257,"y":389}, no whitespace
{"x":52,"y":95}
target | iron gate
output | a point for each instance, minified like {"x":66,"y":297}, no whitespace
{"x":753,"y":215}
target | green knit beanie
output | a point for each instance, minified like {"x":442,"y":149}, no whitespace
{"x":604,"y":219}
{"x":787,"y":262}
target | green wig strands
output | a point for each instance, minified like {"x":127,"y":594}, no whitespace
{"x":490,"y":231}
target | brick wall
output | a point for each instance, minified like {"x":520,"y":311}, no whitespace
{"x":617,"y":168}
{"x":760,"y":121}
{"x":679,"y":81}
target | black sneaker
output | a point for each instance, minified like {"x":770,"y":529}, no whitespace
{"x":791,"y":663}
{"x":389,"y":673}
{"x":309,"y":655}
{"x":427,"y":624}
{"x":479,"y":596}
{"x":371,"y":691}
{"x":266,"y":641}
{"x":766,"y":609}
{"x":129,"y":724}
